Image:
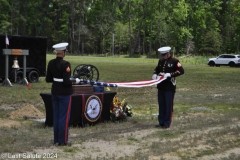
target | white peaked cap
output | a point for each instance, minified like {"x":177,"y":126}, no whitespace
{"x":164,"y":50}
{"x":60,"y":46}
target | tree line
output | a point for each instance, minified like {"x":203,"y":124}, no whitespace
{"x":133,"y":27}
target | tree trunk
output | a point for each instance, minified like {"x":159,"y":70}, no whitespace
{"x":137,"y":39}
{"x":72,"y":29}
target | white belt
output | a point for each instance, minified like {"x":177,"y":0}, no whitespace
{"x":57,"y":79}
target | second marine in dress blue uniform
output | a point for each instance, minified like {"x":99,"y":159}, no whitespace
{"x":170,"y":67}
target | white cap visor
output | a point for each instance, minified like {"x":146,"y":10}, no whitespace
{"x":60,"y":46}
{"x":164,"y":50}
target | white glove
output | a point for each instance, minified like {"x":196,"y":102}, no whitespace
{"x":154,"y":76}
{"x":166,"y":75}
{"x":77,"y":80}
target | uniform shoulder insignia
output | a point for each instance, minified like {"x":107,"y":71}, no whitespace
{"x":179,"y":64}
{"x":68,"y":69}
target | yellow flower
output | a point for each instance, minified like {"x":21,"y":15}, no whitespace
{"x":115,"y":100}
{"x":123,"y":101}
{"x":120,"y":108}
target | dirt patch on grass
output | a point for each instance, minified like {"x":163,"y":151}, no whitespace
{"x":9,"y":123}
{"x":27,"y":112}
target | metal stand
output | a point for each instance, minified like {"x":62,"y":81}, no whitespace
{"x":16,"y":52}
{"x":6,"y":82}
{"x":25,"y":82}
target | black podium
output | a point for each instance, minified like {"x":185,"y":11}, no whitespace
{"x":83,"y":106}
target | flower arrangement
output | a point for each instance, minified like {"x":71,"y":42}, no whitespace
{"x":120,"y":109}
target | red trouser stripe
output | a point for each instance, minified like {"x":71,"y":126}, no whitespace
{"x":67,"y":120}
{"x":171,"y":113}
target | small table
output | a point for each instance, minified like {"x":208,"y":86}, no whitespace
{"x":78,"y":116}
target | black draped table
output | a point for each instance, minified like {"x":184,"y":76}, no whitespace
{"x":87,"y":108}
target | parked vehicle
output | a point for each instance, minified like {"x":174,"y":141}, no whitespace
{"x":35,"y":61}
{"x":225,"y":60}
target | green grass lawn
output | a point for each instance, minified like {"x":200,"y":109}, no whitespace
{"x":201,"y":85}
{"x":205,"y":97}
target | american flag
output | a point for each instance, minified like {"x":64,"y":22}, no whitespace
{"x":7,"y":41}
{"x":136,"y":84}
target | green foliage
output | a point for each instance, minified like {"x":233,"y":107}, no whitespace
{"x":121,"y":37}
{"x":211,"y":43}
{"x":140,"y":26}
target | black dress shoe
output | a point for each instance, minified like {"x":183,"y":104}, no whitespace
{"x":159,"y":126}
{"x":165,"y":127}
{"x":54,"y":143}
{"x":65,"y":144}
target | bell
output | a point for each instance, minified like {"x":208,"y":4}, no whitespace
{"x":15,"y":63}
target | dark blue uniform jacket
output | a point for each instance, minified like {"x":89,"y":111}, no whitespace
{"x":61,"y":69}
{"x":172,"y":66}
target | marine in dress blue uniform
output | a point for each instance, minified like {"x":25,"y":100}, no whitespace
{"x":58,"y":73}
{"x":170,"y":67}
